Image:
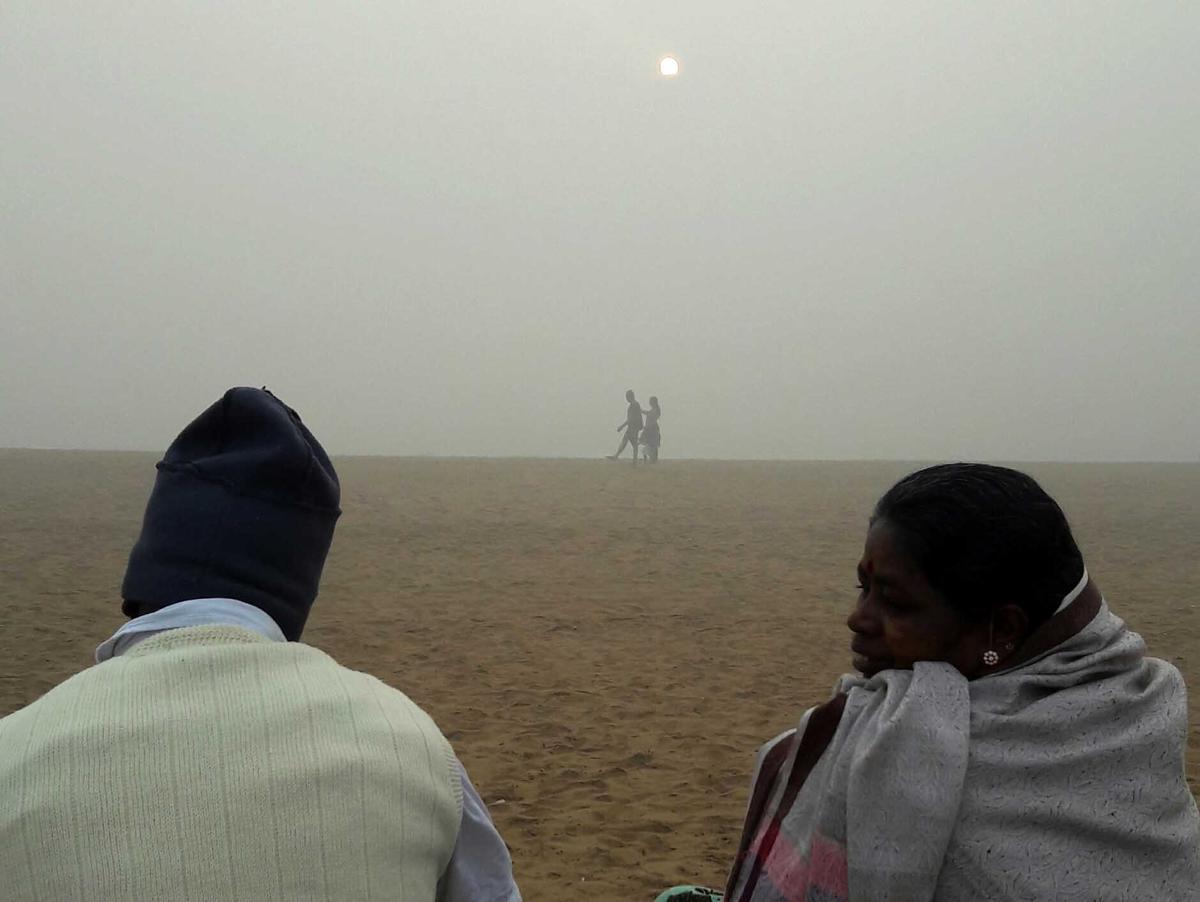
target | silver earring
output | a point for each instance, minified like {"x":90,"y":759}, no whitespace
{"x":990,"y":658}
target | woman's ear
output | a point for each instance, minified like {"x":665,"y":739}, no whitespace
{"x":1010,"y":627}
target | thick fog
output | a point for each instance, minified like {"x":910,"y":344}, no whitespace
{"x":918,"y":230}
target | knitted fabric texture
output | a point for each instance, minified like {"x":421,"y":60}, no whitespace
{"x":244,"y":507}
{"x":212,"y":763}
{"x":1062,"y":778}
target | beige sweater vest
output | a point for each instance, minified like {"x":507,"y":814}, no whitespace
{"x":211,"y":763}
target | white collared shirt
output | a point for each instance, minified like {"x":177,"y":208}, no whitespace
{"x":480,"y":869}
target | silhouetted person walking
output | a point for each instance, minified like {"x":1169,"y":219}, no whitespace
{"x":632,"y":426}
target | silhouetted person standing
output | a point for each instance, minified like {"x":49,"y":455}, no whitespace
{"x":651,"y":437}
{"x":632,"y":426}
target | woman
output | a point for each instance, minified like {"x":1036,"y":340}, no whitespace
{"x":651,"y":437}
{"x":1008,"y":737}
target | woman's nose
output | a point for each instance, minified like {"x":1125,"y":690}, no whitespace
{"x":862,"y":617}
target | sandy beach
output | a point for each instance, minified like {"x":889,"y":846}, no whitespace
{"x":605,"y":646}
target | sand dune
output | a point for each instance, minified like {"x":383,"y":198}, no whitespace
{"x":605,"y":646}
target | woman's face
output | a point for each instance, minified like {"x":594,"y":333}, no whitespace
{"x":900,"y":619}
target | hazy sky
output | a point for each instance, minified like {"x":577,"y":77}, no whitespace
{"x":890,"y":230}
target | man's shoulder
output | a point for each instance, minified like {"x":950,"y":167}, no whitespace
{"x":375,"y":706}
{"x":58,"y":696}
{"x":359,"y":680}
{"x":360,"y":686}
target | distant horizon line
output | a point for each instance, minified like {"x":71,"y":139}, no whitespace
{"x":600,"y":457}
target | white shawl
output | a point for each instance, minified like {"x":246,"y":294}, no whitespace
{"x":1061,"y":778}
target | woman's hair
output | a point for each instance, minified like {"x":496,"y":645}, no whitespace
{"x":984,"y":536}
{"x":653,"y":400}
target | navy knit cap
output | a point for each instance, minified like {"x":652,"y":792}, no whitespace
{"x":243,"y":507}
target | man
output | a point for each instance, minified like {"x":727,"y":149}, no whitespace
{"x":632,"y":426}
{"x":210,"y":754}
